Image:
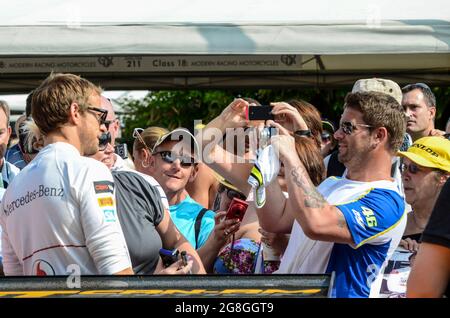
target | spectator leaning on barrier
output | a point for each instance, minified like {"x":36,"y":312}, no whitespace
{"x":59,"y":214}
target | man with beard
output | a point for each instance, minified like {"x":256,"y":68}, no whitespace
{"x":8,"y":170}
{"x":349,"y":225}
{"x":59,"y":215}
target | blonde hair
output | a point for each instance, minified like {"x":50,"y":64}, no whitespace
{"x":150,"y":136}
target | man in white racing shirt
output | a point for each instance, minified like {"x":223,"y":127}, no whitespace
{"x":59,"y":213}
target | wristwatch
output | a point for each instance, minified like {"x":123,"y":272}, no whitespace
{"x":306,"y":133}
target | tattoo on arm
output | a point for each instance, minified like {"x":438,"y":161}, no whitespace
{"x":341,"y":219}
{"x":313,"y":199}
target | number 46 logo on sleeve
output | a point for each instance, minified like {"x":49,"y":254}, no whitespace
{"x":370,"y":217}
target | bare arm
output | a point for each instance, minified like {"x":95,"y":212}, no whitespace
{"x":126,"y":271}
{"x":318,"y":219}
{"x":172,"y":238}
{"x":273,"y":216}
{"x":217,"y":158}
{"x":430,"y":273}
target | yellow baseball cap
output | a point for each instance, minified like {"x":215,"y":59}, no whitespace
{"x":431,"y":152}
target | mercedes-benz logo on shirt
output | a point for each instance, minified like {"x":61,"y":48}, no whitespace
{"x":42,"y":268}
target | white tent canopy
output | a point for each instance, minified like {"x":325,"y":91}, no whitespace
{"x":235,"y":43}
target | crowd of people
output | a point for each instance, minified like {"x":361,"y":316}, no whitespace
{"x":292,"y":193}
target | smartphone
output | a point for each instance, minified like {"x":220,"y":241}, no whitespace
{"x":260,"y":113}
{"x":168,"y":256}
{"x":237,"y":209}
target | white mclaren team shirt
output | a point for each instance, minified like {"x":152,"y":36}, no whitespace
{"x":59,"y":214}
{"x":375,"y":215}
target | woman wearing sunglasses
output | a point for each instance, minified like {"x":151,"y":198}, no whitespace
{"x":144,"y":216}
{"x":425,"y":168}
{"x":171,"y":160}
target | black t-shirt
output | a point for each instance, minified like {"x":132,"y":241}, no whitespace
{"x":437,"y":230}
{"x":140,"y":211}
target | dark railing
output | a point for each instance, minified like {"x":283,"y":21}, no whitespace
{"x":259,"y":286}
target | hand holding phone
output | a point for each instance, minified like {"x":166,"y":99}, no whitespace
{"x":184,"y":258}
{"x":168,"y":256}
{"x":237,"y":209}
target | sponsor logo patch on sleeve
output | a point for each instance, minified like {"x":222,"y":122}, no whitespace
{"x":103,"y":186}
{"x":106,"y":201}
{"x":109,"y":215}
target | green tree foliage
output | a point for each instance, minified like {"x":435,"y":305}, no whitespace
{"x":172,"y":109}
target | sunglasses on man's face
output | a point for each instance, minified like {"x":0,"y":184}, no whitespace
{"x":170,"y":157}
{"x":100,"y":114}
{"x":348,"y":127}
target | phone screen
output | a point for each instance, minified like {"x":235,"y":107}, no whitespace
{"x":260,"y":113}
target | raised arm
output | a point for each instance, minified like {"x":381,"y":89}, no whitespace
{"x":273,"y":216}
{"x":318,"y":219}
{"x":216,"y":157}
